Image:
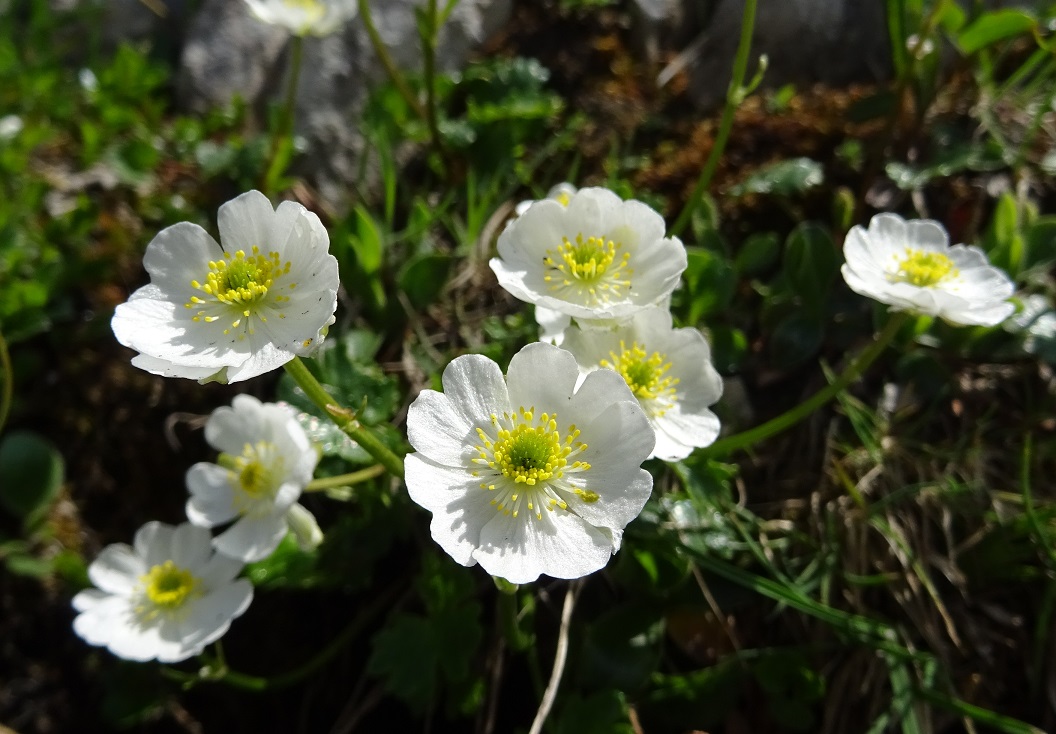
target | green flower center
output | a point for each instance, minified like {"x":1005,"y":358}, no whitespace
{"x":924,"y":269}
{"x":592,"y":266}
{"x":646,"y":374}
{"x":238,"y":282}
{"x":168,"y":586}
{"x":533,"y":457}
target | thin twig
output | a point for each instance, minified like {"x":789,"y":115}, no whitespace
{"x":560,"y":656}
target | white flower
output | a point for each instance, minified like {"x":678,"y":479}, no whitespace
{"x":233,"y":313}
{"x":598,"y":258}
{"x":266,"y":461}
{"x":529,"y":475}
{"x":561,"y":193}
{"x":1035,"y":323}
{"x":164,"y":598}
{"x":305,"y":17}
{"x":911,"y":267}
{"x":668,"y":370}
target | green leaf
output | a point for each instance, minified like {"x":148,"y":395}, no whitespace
{"x":710,"y":283}
{"x":810,"y":265}
{"x":604,"y":712}
{"x":786,"y":178}
{"x":367,"y":242}
{"x":796,"y":339}
{"x":990,"y":28}
{"x":31,"y":475}
{"x":424,"y":277}
{"x":758,"y":254}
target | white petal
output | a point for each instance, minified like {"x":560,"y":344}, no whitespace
{"x":437,"y":430}
{"x":251,"y":539}
{"x":165,"y":368}
{"x":249,"y":221}
{"x":560,"y":545}
{"x":212,"y":499}
{"x":191,"y":546}
{"x":219,"y":571}
{"x":211,"y":615}
{"x":117,"y":569}
{"x":178,"y":255}
{"x":89,"y":599}
{"x":678,"y":433}
{"x":927,"y":234}
{"x":475,"y":386}
{"x":153,"y":543}
{"x":460,"y":507}
{"x":543,"y":376}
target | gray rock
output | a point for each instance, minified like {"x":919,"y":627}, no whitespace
{"x":806,"y":41}
{"x":228,"y":52}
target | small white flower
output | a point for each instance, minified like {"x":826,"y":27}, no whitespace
{"x":305,"y":17}
{"x":166,"y":597}
{"x":598,"y":258}
{"x":668,"y":370}
{"x":561,"y":193}
{"x":266,"y":461}
{"x":233,"y":313}
{"x":10,"y":126}
{"x":911,"y":267}
{"x":529,"y":475}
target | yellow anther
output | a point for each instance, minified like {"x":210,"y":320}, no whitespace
{"x":923,"y":268}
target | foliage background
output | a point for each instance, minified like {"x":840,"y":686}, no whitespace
{"x":887,"y":566}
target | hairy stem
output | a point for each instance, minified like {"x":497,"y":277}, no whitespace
{"x":343,"y":418}
{"x":386,"y":61}
{"x":345,"y":480}
{"x":560,"y":656}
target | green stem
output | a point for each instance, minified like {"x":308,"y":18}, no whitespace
{"x":386,"y":60}
{"x":429,"y":40}
{"x":734,"y":96}
{"x":345,"y":480}
{"x":8,"y":374}
{"x":223,"y":674}
{"x":753,"y":435}
{"x":277,"y":159}
{"x":507,"y":611}
{"x":343,"y":418}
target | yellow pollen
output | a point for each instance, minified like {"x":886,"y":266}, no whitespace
{"x":240,"y":282}
{"x":526,"y":460}
{"x":253,"y":475}
{"x":595,"y":268}
{"x":167,"y":585}
{"x":924,"y":269}
{"x":646,"y":375}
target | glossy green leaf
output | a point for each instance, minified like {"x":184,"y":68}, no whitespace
{"x":31,"y":475}
{"x":810,"y":265}
{"x":424,"y":277}
{"x":786,"y":178}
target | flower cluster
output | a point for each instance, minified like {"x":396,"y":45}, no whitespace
{"x":589,"y":256}
{"x":535,"y":471}
{"x":230,"y":314}
{"x":171,"y":594}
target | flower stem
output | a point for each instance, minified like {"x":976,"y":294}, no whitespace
{"x":506,"y":609}
{"x":343,"y":418}
{"x":560,"y":656}
{"x":390,"y":66}
{"x":278,"y":156}
{"x":735,"y":94}
{"x":788,"y":419}
{"x":344,"y":480}
{"x":8,"y":374}
{"x":429,"y":41}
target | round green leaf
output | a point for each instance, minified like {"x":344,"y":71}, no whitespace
{"x":31,"y":475}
